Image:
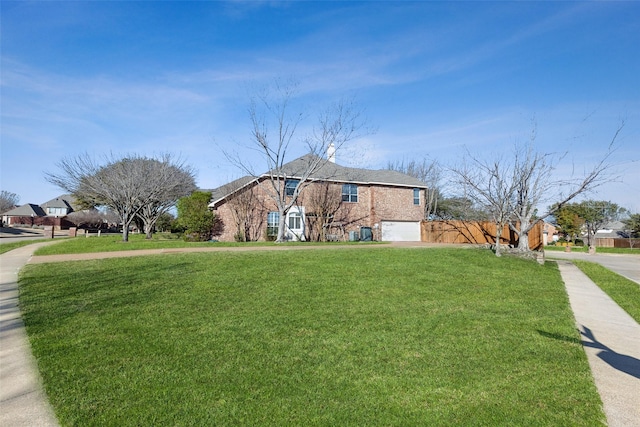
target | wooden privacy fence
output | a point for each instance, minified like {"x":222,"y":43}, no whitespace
{"x":609,"y":242}
{"x":475,"y":232}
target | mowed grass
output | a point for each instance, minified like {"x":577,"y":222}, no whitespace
{"x":113,"y":243}
{"x":625,"y":292}
{"x":392,"y":337}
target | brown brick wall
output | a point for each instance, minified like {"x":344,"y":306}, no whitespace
{"x":396,"y":204}
{"x":375,"y":203}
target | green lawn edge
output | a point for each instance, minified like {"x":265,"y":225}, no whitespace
{"x":114,"y":243}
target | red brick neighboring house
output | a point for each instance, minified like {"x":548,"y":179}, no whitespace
{"x":339,"y":203}
{"x":51,"y":213}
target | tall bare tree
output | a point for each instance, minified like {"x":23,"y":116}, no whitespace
{"x":126,"y":184}
{"x":514,"y":188}
{"x":8,"y":200}
{"x":274,"y":129}
{"x":168,"y":181}
{"x":491,"y":185}
{"x":536,"y":185}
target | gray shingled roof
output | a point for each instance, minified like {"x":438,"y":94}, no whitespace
{"x":64,"y":201}
{"x":223,"y":191}
{"x":336,"y":173}
{"x":26,"y":210}
{"x":328,"y":172}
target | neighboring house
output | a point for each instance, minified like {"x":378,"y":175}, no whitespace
{"x":59,"y":207}
{"x":50,"y":213}
{"x":612,"y":230}
{"x":614,"y":235}
{"x":23,"y":215}
{"x":339,"y":203}
{"x":549,"y":233}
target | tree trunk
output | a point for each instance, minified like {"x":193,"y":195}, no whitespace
{"x":282,"y":227}
{"x":125,"y":233}
{"x":523,"y":242}
{"x":148,"y":230}
{"x":498,"y":236}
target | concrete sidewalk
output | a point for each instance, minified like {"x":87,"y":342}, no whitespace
{"x":611,"y":340}
{"x":22,"y":401}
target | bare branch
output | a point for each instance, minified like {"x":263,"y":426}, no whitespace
{"x":127,"y":185}
{"x":273,"y":131}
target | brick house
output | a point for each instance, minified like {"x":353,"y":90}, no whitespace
{"x":51,"y":213}
{"x":336,"y":203}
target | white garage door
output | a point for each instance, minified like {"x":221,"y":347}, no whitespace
{"x":400,"y":231}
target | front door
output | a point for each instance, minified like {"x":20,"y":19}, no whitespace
{"x":295,"y":224}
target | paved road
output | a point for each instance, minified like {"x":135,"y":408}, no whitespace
{"x":625,"y":265}
{"x":10,"y":235}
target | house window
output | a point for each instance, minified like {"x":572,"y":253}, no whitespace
{"x":273,"y":220}
{"x":290,"y":186}
{"x":295,"y":221}
{"x":349,"y":193}
{"x":416,"y":196}
{"x":56,"y":211}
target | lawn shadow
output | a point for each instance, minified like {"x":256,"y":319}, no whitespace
{"x":623,"y":363}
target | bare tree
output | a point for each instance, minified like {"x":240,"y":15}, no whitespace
{"x":338,"y":124}
{"x":90,"y":218}
{"x":125,"y":185}
{"x":323,"y":200}
{"x":514,"y":188}
{"x":247,"y":210}
{"x":535,"y":185}
{"x":490,"y":184}
{"x":8,"y":200}
{"x":532,"y":173}
{"x":168,"y":181}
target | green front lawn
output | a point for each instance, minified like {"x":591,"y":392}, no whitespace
{"x":113,"y":242}
{"x":347,"y":337}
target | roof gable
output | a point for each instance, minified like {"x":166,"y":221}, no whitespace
{"x":221,"y":192}
{"x":64,"y":201}
{"x":26,"y":210}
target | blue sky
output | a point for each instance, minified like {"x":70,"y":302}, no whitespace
{"x":434,"y":78}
